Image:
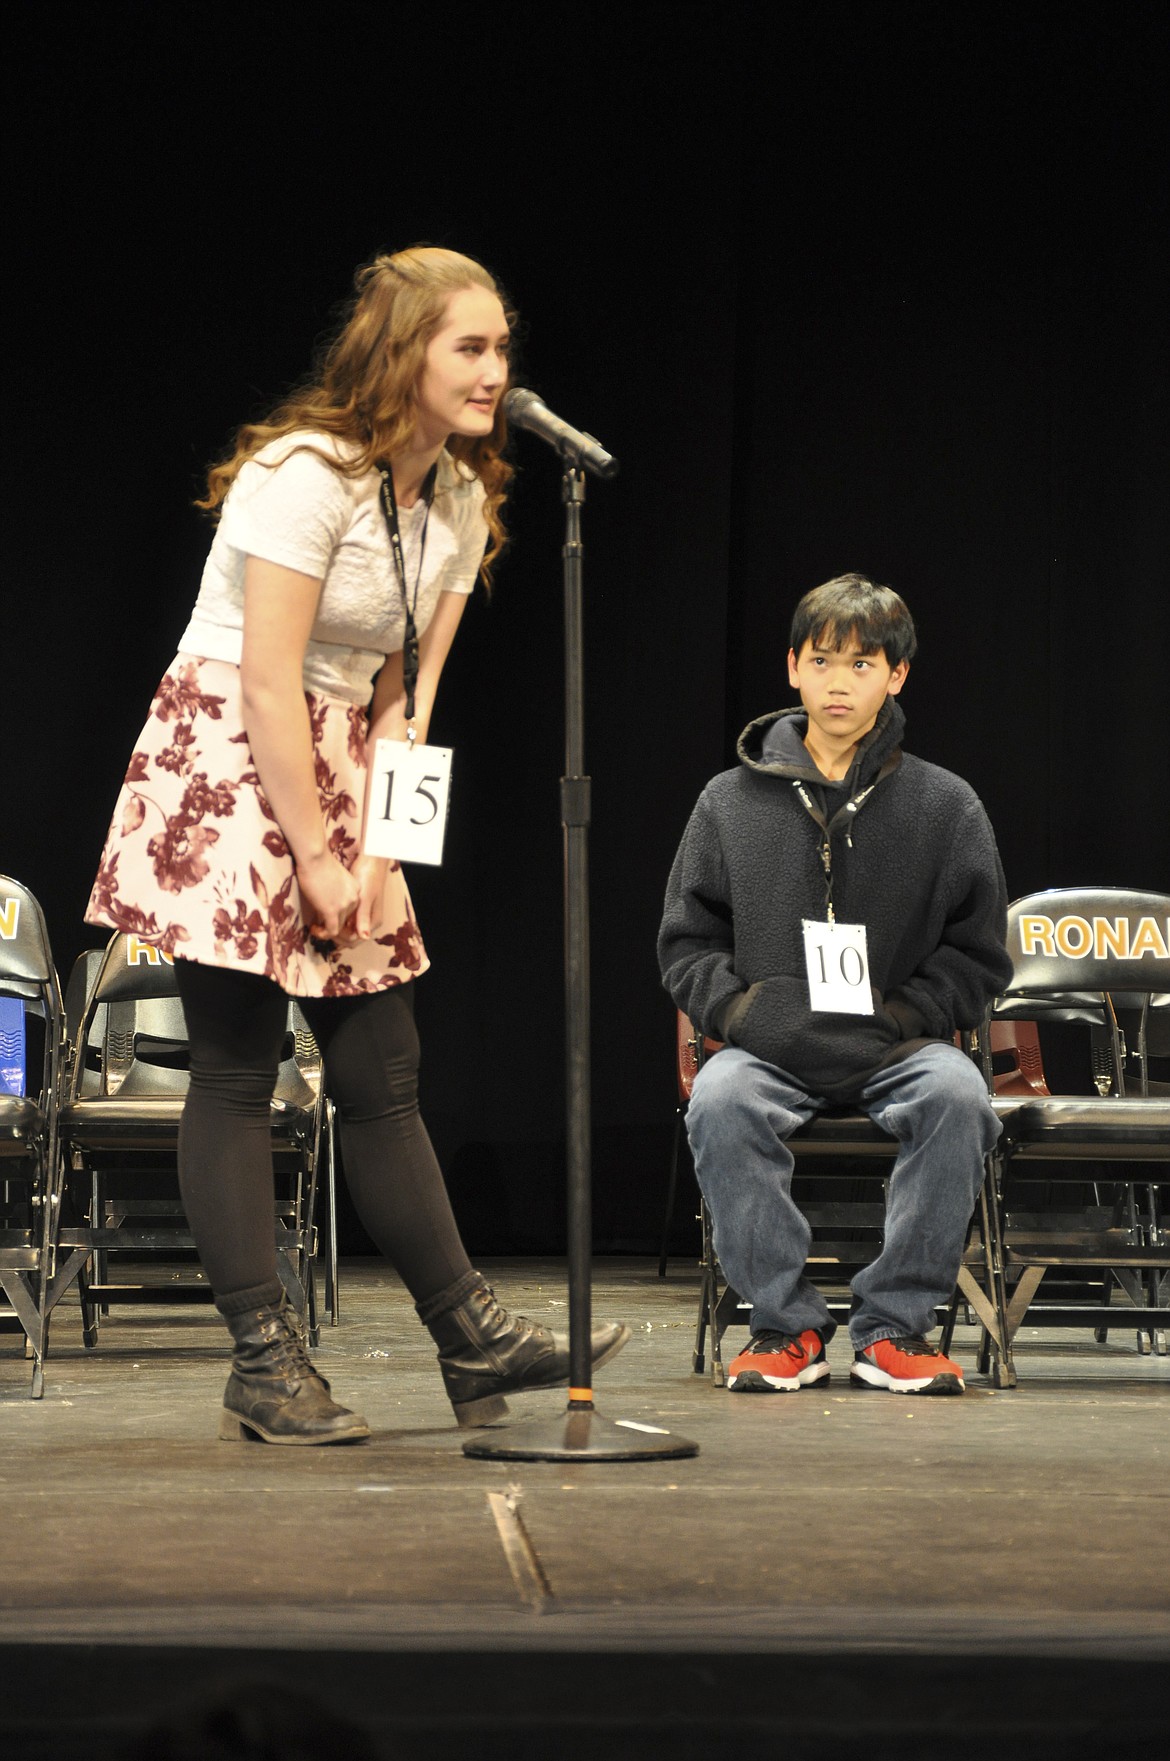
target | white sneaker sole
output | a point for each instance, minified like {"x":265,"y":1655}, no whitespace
{"x":867,"y":1375}
{"x":756,"y":1382}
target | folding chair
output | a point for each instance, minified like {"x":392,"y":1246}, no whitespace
{"x":1079,"y":1187}
{"x":838,"y":1144}
{"x":689,"y":1054}
{"x":118,"y":1130}
{"x":28,"y":1121}
{"x":307,"y":1058}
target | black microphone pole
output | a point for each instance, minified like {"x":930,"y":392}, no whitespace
{"x":581,"y":1433}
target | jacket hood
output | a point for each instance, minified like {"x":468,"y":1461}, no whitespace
{"x":774,"y":745}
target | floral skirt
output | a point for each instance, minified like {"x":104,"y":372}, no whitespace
{"x":195,"y":863}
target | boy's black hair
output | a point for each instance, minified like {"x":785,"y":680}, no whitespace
{"x":853,"y":606}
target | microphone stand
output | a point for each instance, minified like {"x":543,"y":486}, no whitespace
{"x":581,"y":1433}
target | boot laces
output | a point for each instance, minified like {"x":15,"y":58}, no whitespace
{"x":516,"y":1324}
{"x":522,"y":1328}
{"x":288,"y":1339}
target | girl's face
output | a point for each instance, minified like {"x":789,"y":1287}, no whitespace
{"x":465,"y":370}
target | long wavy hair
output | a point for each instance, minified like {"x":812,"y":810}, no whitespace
{"x":364,"y":389}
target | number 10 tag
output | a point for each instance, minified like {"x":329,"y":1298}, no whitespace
{"x":409,"y":790}
{"x":838,"y":967}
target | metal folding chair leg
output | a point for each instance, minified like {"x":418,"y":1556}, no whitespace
{"x":671,"y":1189}
{"x":717,"y":1309}
{"x":332,"y":1298}
{"x":981,"y":1284}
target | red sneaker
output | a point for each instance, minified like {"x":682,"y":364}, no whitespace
{"x":778,"y":1363}
{"x":908,"y":1365}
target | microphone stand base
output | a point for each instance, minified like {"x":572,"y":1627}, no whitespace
{"x":580,"y":1434}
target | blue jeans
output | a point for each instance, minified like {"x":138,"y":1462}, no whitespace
{"x":934,"y":1102}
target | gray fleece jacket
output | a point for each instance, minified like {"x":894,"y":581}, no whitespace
{"x":913,"y":858}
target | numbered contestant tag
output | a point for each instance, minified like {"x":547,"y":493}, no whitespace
{"x":838,"y":967}
{"x":410,"y":787}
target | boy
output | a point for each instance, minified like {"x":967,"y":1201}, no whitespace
{"x":835,"y":912}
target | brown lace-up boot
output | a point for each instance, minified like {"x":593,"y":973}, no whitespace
{"x":485,"y":1353}
{"x":274,"y":1392}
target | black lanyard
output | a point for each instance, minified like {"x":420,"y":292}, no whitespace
{"x":410,"y":633}
{"x":844,"y":816}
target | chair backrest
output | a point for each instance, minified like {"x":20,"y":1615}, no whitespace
{"x":1017,"y":1061}
{"x":1089,"y":939}
{"x":82,"y":979}
{"x":28,"y":975}
{"x":85,"y":1060}
{"x":300,"y":1079}
{"x":144,"y":1048}
{"x":26,"y":962}
{"x":132,"y":970}
{"x":1079,"y":953}
{"x":691,"y":1053}
{"x":127,"y":991}
{"x":143,"y":1031}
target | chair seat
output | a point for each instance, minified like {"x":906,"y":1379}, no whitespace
{"x":102,"y":1123}
{"x":1110,"y":1250}
{"x":1136,"y":1128}
{"x":842,"y":1133}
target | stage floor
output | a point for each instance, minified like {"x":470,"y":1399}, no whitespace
{"x":837,"y":1572}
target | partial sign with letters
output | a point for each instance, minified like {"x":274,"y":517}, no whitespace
{"x":1102,"y":938}
{"x":140,"y":953}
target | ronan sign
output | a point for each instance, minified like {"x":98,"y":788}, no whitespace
{"x":1121,"y":938}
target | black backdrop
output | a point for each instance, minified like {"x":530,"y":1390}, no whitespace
{"x":844,"y":285}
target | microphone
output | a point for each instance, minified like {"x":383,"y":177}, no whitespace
{"x":525,"y":409}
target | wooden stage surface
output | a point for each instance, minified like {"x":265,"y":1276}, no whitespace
{"x":837,"y":1573}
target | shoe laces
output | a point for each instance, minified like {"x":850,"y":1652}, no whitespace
{"x":912,"y":1345}
{"x":769,"y":1342}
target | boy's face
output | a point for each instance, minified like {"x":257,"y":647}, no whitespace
{"x":843,"y":689}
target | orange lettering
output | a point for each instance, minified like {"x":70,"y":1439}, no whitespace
{"x":1111,"y":937}
{"x":140,"y":953}
{"x":1074,"y":936}
{"x":1150,"y":940}
{"x":1036,"y":935}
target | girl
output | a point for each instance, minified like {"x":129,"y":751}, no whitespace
{"x":352,"y":527}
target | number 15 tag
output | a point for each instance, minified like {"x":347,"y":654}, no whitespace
{"x":838,"y":967}
{"x":409,"y":791}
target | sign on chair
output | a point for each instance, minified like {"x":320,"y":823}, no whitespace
{"x":1078,"y":938}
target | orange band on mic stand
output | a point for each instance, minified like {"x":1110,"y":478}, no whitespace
{"x":581,"y":1394}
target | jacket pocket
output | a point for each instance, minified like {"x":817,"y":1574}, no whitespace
{"x":821,"y":1050}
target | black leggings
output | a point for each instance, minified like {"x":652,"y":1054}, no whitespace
{"x":236,"y":1024}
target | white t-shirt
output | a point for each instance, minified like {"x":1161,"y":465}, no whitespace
{"x":305,"y":515}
